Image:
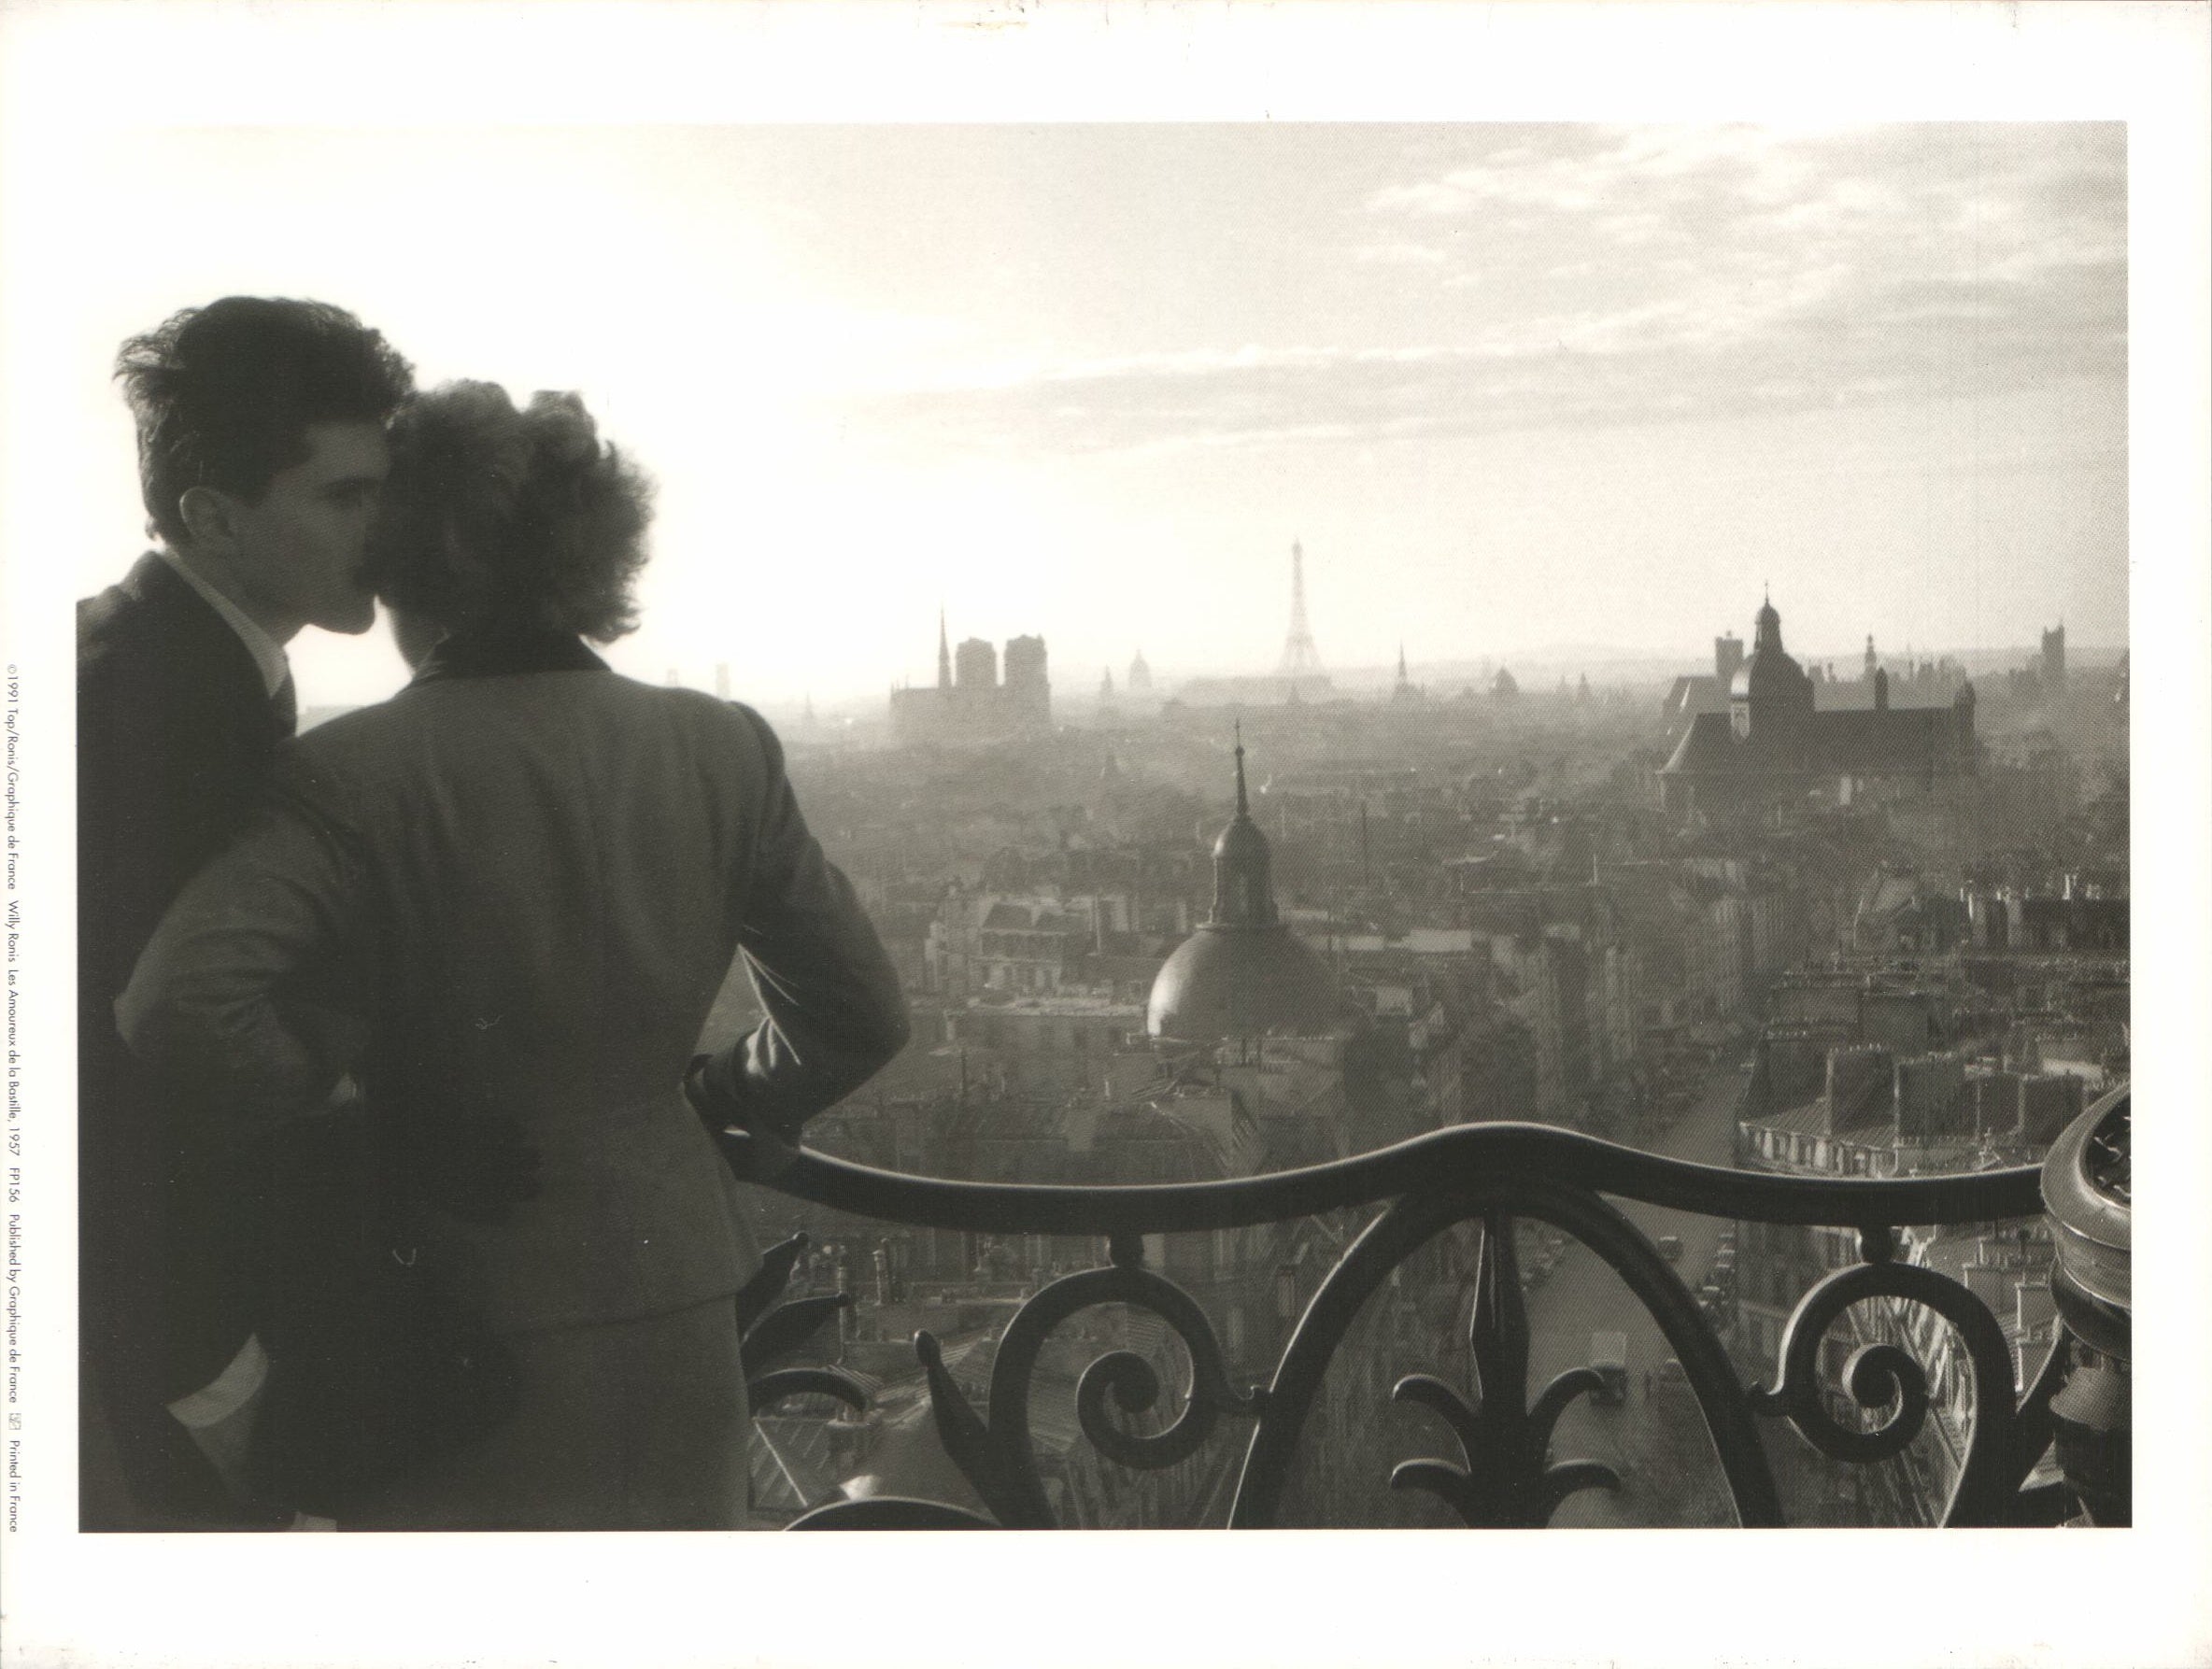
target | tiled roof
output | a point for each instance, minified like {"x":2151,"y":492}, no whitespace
{"x":1890,"y":741}
{"x":790,"y":1466}
{"x":1705,"y":746}
{"x":1812,"y":1119}
{"x":1692,"y":691}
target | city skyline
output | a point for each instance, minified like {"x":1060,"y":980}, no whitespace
{"x":1879,"y":368}
{"x":1611,"y":663}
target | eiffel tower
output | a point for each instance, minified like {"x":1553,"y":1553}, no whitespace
{"x":1300,"y":658}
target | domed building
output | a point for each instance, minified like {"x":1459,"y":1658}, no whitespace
{"x":1772,"y":746}
{"x":1770,"y":698}
{"x":1243,"y":974}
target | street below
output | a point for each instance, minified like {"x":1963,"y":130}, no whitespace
{"x":1656,"y":1438}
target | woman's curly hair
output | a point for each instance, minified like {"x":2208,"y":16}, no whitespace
{"x":500,"y":518}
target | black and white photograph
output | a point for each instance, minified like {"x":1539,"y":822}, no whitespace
{"x":884,"y":769}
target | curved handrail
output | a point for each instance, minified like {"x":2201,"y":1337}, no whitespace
{"x":1438,"y":1159}
{"x":1489,"y":1173}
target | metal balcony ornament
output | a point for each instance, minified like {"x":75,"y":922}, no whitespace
{"x":1492,"y":1174}
{"x":2006,"y":1440}
{"x":1504,"y":1482}
{"x":997,"y":1456}
{"x":768,"y":1330}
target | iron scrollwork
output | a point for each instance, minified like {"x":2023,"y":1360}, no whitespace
{"x":1489,"y":1175}
{"x":1892,"y":1384}
{"x":998,"y":1454}
{"x":768,"y":1330}
{"x":1505,"y":1479}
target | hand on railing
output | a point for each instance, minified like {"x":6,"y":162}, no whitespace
{"x":754,"y":1148}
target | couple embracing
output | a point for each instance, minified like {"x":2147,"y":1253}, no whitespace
{"x":414,"y":994}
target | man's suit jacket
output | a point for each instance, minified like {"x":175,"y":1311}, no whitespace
{"x":532,"y":876}
{"x":175,"y":740}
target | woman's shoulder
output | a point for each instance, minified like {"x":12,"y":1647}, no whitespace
{"x":326,"y":768}
{"x":711,"y":714}
{"x":437,"y":728}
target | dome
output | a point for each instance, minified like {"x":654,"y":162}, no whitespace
{"x":1233,"y":981}
{"x":1770,"y":680}
{"x":1242,"y":973}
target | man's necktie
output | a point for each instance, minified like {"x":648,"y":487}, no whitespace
{"x":284,"y":708}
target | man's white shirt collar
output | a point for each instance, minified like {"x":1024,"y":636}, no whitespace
{"x":268,"y":654}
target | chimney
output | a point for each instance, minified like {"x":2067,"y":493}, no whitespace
{"x":1882,"y":690}
{"x":2034,"y":1307}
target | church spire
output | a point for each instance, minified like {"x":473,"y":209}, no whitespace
{"x":1244,"y":892}
{"x":1768,"y":638}
{"x":944,"y":655}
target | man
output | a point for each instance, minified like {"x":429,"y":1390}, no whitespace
{"x":261,"y":451}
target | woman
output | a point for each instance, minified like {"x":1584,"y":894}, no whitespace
{"x":527,"y":878}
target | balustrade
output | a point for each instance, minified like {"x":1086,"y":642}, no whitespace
{"x":1504,"y":1473}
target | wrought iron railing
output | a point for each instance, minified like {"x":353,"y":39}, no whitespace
{"x":1485,"y":1175}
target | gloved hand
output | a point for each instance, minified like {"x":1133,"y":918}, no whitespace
{"x":765,"y":1148}
{"x":719,"y":1112}
{"x":479,"y":1169}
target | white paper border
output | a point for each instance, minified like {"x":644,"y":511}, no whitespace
{"x":2136,"y":1598}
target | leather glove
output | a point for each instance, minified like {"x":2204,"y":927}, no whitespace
{"x":718,"y":1113}
{"x":763,"y":1150}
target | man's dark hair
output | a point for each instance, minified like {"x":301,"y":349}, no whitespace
{"x":498,"y":519}
{"x":224,"y":394}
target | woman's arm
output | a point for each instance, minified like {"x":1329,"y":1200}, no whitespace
{"x":219,"y":1003}
{"x":836,"y":1015}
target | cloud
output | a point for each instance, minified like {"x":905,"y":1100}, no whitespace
{"x":1633,"y":276}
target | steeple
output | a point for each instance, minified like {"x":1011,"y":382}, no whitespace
{"x":1768,"y":638}
{"x":1243,"y":974}
{"x":944,"y":655}
{"x":1243,"y":894}
{"x":1402,"y":663}
{"x":1770,"y":682}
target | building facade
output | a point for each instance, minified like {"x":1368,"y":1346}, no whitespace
{"x":1774,"y":746}
{"x":970,"y":705}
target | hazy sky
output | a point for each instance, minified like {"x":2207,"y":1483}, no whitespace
{"x":1512,"y":385}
